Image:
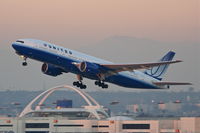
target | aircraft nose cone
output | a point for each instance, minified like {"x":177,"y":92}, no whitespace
{"x":14,"y":45}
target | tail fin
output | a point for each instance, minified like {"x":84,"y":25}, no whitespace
{"x":159,"y":71}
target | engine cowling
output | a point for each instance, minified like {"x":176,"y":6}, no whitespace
{"x":89,"y":67}
{"x":51,"y":70}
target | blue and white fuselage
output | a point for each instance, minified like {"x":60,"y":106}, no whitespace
{"x":58,"y":60}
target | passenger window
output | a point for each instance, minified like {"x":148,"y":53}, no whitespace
{"x":45,"y":44}
{"x":70,"y":52}
{"x":58,"y":49}
{"x":61,"y":49}
{"x":66,"y":51}
{"x":54,"y":47}
{"x":49,"y":46}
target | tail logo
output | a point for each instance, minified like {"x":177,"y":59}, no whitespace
{"x":158,"y":71}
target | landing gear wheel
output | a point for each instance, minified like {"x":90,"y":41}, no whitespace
{"x":101,"y":84}
{"x":83,"y":86}
{"x":75,"y":83}
{"x":80,"y":85}
{"x":96,"y":82}
{"x":24,"y":64}
{"x":105,"y":86}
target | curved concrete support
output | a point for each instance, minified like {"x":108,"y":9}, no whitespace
{"x":28,"y":108}
{"x":43,"y":99}
{"x":92,"y":99}
{"x":88,"y":99}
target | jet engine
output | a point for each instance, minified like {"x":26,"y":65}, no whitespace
{"x":89,"y":67}
{"x":51,"y":70}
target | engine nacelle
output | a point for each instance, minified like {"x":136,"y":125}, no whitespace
{"x":51,"y":70}
{"x":89,"y":67}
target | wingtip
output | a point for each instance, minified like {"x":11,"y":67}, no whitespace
{"x":179,"y":61}
{"x":175,"y":61}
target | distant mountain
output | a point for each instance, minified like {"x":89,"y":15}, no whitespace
{"x":126,"y":49}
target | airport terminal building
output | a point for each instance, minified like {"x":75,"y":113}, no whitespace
{"x":64,"y":125}
{"x":92,"y":118}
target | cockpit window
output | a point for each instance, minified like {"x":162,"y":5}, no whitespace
{"x":20,"y":41}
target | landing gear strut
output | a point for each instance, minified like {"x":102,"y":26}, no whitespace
{"x":79,"y":83}
{"x":101,"y":84}
{"x":24,"y":63}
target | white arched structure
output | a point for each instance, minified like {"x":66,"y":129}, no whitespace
{"x":93,"y":106}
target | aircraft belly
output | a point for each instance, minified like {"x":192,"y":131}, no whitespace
{"x":130,"y":82}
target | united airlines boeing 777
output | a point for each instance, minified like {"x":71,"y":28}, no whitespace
{"x":58,"y":60}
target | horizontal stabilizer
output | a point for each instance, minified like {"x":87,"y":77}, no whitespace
{"x":171,"y":83}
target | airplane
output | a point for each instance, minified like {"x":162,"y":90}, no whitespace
{"x":58,"y":60}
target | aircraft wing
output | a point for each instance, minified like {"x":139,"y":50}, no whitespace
{"x":130,"y":67}
{"x":171,"y":83}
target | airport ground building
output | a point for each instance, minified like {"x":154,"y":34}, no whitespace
{"x":64,"y":125}
{"x":92,"y":118}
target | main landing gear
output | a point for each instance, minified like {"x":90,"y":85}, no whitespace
{"x":101,"y":84}
{"x":79,"y":83}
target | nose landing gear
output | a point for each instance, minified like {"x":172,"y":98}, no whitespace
{"x":24,"y":63}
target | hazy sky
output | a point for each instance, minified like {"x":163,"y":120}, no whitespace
{"x":93,"y":20}
{"x":79,"y":23}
